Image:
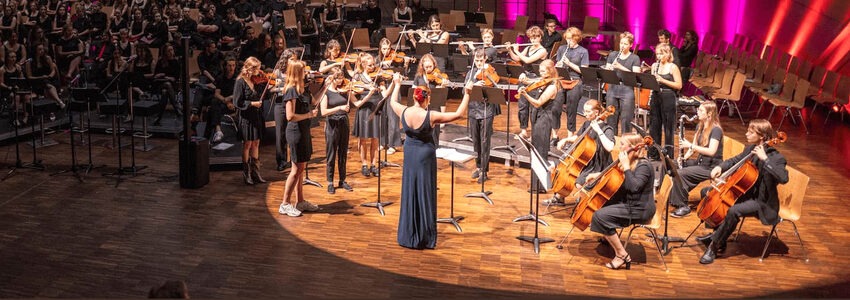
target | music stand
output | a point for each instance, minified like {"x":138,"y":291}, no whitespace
{"x":532,"y":214}
{"x":502,"y":71}
{"x":539,"y":172}
{"x":379,"y":108}
{"x":454,"y":157}
{"x":439,"y":96}
{"x":75,"y":94}
{"x":475,"y":17}
{"x":90,"y":95}
{"x":515,"y":70}
{"x":35,"y":164}
{"x":588,"y":75}
{"x":648,"y":81}
{"x":493,"y":96}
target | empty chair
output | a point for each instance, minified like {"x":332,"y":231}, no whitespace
{"x":796,"y":102}
{"x":732,"y":98}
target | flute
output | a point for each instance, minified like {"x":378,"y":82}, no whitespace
{"x":511,"y":45}
{"x":466,"y":43}
{"x":418,"y":31}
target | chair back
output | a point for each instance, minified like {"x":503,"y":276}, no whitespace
{"x":661,"y":202}
{"x":737,"y":89}
{"x":818,"y":74}
{"x":842,"y":93}
{"x":789,"y":85}
{"x":392,"y":34}
{"x":801,"y":91}
{"x":508,"y":36}
{"x":731,"y":147}
{"x":360,"y":41}
{"x":195,"y":14}
{"x":289,"y":20}
{"x":591,"y":27}
{"x":791,"y":195}
{"x":793,"y":65}
{"x":758,"y":71}
{"x":194,"y":68}
{"x":805,"y":69}
{"x":521,"y":24}
{"x":554,"y":50}
{"x":489,"y":17}
{"x":829,"y":82}
{"x":726,"y":83}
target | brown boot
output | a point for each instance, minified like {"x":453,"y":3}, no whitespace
{"x":255,"y":170}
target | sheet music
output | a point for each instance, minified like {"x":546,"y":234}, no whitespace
{"x":453,"y":155}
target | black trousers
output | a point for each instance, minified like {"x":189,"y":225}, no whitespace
{"x":573,"y":96}
{"x":689,"y":178}
{"x":481,"y":129}
{"x":336,"y":139}
{"x":280,"y":133}
{"x":623,"y":100}
{"x":742,"y":208}
{"x":662,"y":117}
{"x":523,"y":112}
{"x":213,"y":117}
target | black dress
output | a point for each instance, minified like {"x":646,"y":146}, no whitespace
{"x":417,"y":220}
{"x":632,"y":204}
{"x":365,"y":128}
{"x":541,"y":130}
{"x":298,"y":133}
{"x":251,"y":121}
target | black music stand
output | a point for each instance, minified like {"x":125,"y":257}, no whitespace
{"x":541,"y":166}
{"x":648,"y":81}
{"x":73,"y":169}
{"x":502,"y":71}
{"x":452,"y":219}
{"x":487,"y":95}
{"x":36,"y":163}
{"x":439,"y":97}
{"x":379,"y":111}
{"x":89,"y":95}
{"x":532,"y":211}
{"x":589,"y":75}
{"x":438,"y":50}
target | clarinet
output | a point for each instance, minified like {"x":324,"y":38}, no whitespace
{"x":682,"y":119}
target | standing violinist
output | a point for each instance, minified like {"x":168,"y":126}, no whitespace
{"x":246,"y":96}
{"x":334,"y":105}
{"x":620,"y":96}
{"x":599,"y":132}
{"x":573,"y":57}
{"x":708,"y":145}
{"x":390,"y":126}
{"x":541,"y":98}
{"x":366,"y":128}
{"x":761,"y":199}
{"x":280,"y":121}
{"x":530,"y":55}
{"x":481,"y":113}
{"x":633,"y":203}
{"x":390,"y":57}
{"x":334,"y":58}
{"x":427,"y":74}
{"x":298,"y":101}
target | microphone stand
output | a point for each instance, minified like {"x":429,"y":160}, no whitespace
{"x":121,"y":170}
{"x":36,"y":164}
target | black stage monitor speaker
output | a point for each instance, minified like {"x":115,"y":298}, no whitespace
{"x":194,"y":163}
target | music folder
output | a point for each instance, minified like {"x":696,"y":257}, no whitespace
{"x":647,"y":81}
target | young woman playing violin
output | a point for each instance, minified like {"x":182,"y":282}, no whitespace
{"x":481,"y":114}
{"x":427,"y":74}
{"x":246,"y":96}
{"x":389,"y":57}
{"x":761,"y":199}
{"x":633,"y":203}
{"x":334,"y":105}
{"x":540,"y":94}
{"x":602,"y":134}
{"x":298,"y":114}
{"x":708,"y":145}
{"x":372,"y":89}
{"x":334,"y":58}
{"x":530,"y":55}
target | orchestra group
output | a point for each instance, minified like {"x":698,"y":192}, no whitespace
{"x":603,"y":158}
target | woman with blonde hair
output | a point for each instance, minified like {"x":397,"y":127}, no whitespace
{"x":530,"y":55}
{"x":708,"y":145}
{"x":246,"y":96}
{"x":620,"y":96}
{"x":541,"y":99}
{"x":662,"y":108}
{"x":298,"y":114}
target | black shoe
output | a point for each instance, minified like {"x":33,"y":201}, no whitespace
{"x":709,"y":255}
{"x":375,"y":171}
{"x":681,"y":212}
{"x":331,"y":189}
{"x":476,"y":173}
{"x":483,"y":177}
{"x":345,"y":186}
{"x":365,"y":171}
{"x":554,"y":201}
{"x":283,"y":166}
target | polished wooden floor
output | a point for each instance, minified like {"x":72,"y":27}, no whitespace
{"x":62,"y":238}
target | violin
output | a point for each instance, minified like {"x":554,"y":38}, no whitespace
{"x":350,"y":58}
{"x":576,"y":158}
{"x":539,"y":84}
{"x":384,"y":74}
{"x":261,"y":77}
{"x":396,"y":57}
{"x":604,"y":187}
{"x":488,"y":75}
{"x":729,"y":186}
{"x":436,"y":77}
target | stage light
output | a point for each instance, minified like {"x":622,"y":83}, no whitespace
{"x":836,"y":107}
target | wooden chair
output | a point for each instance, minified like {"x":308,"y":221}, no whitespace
{"x":797,"y":102}
{"x":826,"y":94}
{"x":590,"y":28}
{"x":655,"y":222}
{"x":490,"y":17}
{"x":289,"y":20}
{"x":842,"y":96}
{"x":791,"y":196}
{"x":723,"y":86}
{"x":805,"y":69}
{"x":360,"y":41}
{"x":787,"y":92}
{"x":816,"y":78}
{"x":508,"y":36}
{"x":521,"y":24}
{"x":734,"y":95}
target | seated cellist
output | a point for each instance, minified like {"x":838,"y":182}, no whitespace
{"x":761,"y":199}
{"x":602,"y":134}
{"x":633,"y":203}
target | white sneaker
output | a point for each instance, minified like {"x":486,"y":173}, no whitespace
{"x":217,"y":136}
{"x":307,"y":206}
{"x":289,"y":210}
{"x":390,"y":151}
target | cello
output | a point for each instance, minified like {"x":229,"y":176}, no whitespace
{"x":604,"y":187}
{"x":575,"y":159}
{"x":729,"y":186}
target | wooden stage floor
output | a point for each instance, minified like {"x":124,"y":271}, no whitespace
{"x":62,"y":238}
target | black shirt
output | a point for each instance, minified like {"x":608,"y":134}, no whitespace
{"x":335,"y":100}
